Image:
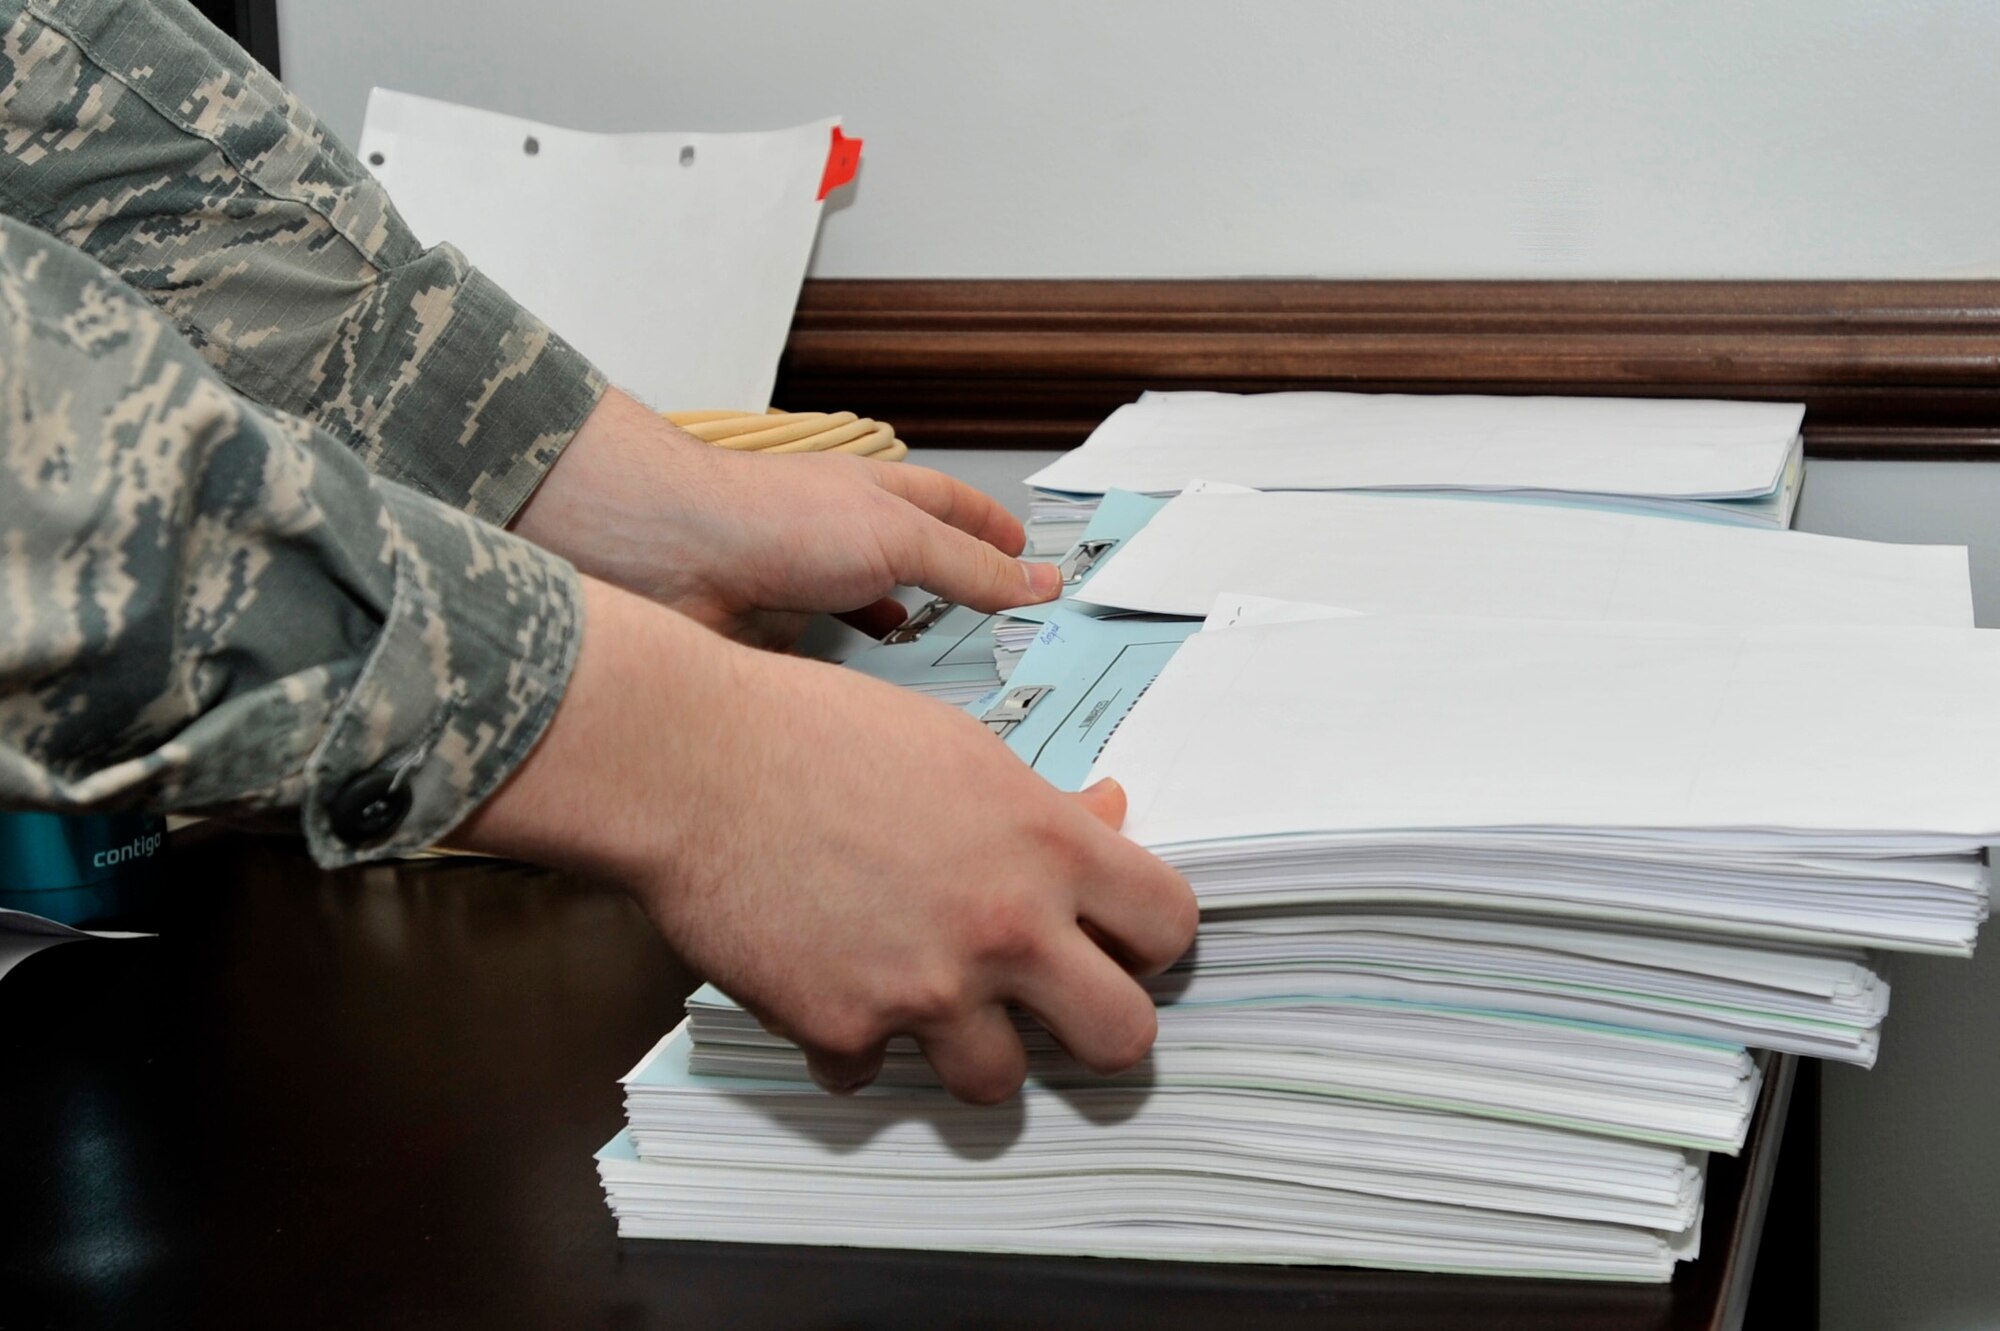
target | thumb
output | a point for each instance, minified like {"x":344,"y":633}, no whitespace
{"x":1104,"y":801}
{"x":964,"y":569}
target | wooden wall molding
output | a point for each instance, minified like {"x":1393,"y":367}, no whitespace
{"x":1887,"y":369}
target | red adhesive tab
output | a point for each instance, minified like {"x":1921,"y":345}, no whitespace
{"x":843,"y":159}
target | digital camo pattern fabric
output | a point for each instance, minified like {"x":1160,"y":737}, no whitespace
{"x":205,"y":604}
{"x":135,"y":131}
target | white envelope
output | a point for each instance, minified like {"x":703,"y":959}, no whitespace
{"x":1410,"y":554}
{"x":1679,"y":449}
{"x":1378,"y":723}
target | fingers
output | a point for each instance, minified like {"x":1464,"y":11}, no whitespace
{"x":876,"y":619}
{"x":1104,"y":801}
{"x":1140,"y":910}
{"x":1144,"y":912}
{"x":836,"y":1071}
{"x":843,"y":1074}
{"x":961,"y":568}
{"x":1088,"y":1002}
{"x":955,"y":504}
{"x":978,"y":1056}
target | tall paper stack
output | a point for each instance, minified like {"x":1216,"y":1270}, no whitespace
{"x":1502,"y":881}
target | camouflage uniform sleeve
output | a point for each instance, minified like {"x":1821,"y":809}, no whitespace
{"x":211,"y":605}
{"x":135,"y":131}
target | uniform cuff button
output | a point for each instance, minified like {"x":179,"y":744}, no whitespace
{"x":368,"y":807}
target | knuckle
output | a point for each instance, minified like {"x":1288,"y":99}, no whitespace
{"x":887,"y":517}
{"x":885,"y":505}
{"x":833,"y":467}
{"x":1061,"y":855}
{"x":927,"y":999}
{"x":1009,"y":928}
{"x":942,"y":495}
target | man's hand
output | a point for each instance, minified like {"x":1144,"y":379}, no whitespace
{"x":752,"y":545}
{"x":849,"y":861}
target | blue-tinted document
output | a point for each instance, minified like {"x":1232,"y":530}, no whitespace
{"x":1075,"y":684}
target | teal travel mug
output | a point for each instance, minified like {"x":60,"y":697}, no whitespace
{"x":85,"y":870}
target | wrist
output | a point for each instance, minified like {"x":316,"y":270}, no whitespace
{"x":621,"y":441}
{"x":609,"y":789}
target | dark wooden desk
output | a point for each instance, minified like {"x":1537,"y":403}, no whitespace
{"x":370,"y":1099}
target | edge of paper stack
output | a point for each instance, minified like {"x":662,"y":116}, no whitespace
{"x":1520,"y":827}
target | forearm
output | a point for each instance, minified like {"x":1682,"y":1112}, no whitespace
{"x":614,"y":788}
{"x":139,"y":134}
{"x":209,"y":606}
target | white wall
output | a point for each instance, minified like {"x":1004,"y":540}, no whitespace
{"x":1406,"y":138}
{"x":1398,"y":138}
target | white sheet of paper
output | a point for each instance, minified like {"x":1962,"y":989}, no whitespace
{"x":23,"y":934}
{"x":1687,"y":449}
{"x":1234,"y":609}
{"x":1217,"y":488}
{"x":671,"y":260}
{"x":17,"y":948}
{"x":1380,"y":554}
{"x":1394,"y":722}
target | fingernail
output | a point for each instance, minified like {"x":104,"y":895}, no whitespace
{"x":1044,"y":580}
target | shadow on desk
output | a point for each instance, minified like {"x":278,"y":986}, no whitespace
{"x":370,"y":1099}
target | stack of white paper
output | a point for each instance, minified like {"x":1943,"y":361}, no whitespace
{"x":1507,"y":857}
{"x":1120,"y":1168}
{"x":1736,"y":462}
{"x":1581,"y":1075}
{"x":1382,"y":1149}
{"x":1823,"y":1002}
{"x":1827,"y":784}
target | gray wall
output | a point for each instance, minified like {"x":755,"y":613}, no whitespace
{"x":1393,"y":138}
{"x":1910,"y":1225}
{"x":1461,"y":138}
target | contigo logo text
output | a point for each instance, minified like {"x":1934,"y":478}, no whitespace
{"x":131,"y":850}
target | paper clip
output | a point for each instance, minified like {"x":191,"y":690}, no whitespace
{"x":913,"y":628}
{"x":1014,"y":706}
{"x":1076,"y":565}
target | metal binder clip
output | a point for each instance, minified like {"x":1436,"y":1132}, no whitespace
{"x":1014,"y":706}
{"x":913,"y":628}
{"x":1078,"y":562}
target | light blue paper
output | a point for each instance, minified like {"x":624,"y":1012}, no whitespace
{"x":1096,"y":668}
{"x":956,"y":650}
{"x":1097,"y":660}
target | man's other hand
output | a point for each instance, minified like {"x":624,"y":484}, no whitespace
{"x":751,"y":545}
